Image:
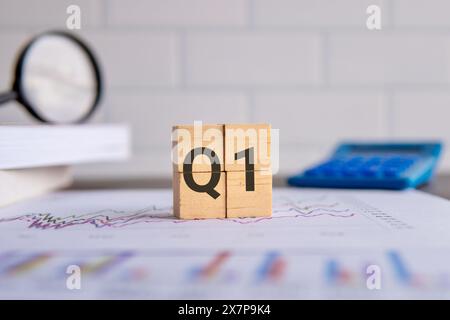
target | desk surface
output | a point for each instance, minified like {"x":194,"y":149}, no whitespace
{"x":440,"y":185}
{"x":316,"y":244}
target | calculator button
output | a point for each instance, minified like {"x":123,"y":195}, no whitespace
{"x":370,"y":171}
{"x":408,"y":162}
{"x":355,"y":161}
{"x":350,"y":171}
{"x":391,"y":172}
{"x":330,"y":171}
{"x":373,"y":161}
{"x":336,"y":163}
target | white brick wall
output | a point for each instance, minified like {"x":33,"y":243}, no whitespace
{"x":252,"y":59}
{"x":154,"y":114}
{"x":385,"y":59}
{"x":30,"y":14}
{"x":178,"y":13}
{"x":311,"y":117}
{"x":9,"y":42}
{"x":309,"y":67}
{"x":420,"y":13}
{"x":137,"y":59}
{"x":314,"y":13}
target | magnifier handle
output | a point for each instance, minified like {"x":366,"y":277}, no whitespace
{"x":7,"y":96}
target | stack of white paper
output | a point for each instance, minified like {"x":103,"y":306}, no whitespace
{"x":36,"y":159}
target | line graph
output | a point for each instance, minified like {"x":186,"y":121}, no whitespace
{"x":284,"y":208}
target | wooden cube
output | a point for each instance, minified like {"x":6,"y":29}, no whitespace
{"x":247,"y":147}
{"x":221,"y":171}
{"x":209,"y":202}
{"x":199,"y":145}
{"x":249,"y":194}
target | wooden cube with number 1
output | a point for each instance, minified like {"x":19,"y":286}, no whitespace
{"x":248,"y":169}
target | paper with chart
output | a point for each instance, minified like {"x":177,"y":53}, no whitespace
{"x":318,"y":243}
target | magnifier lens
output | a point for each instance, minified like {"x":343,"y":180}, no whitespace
{"x":58,"y":79}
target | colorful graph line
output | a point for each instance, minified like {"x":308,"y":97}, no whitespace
{"x":99,"y":219}
{"x":399,"y":266}
{"x":104,"y":264}
{"x":417,"y":280}
{"x":272,"y":267}
{"x":212,"y":268}
{"x":28,"y":264}
{"x":335,"y":275}
{"x":110,"y":218}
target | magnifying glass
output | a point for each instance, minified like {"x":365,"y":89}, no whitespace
{"x":57,"y":79}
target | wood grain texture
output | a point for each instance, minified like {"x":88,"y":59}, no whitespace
{"x":189,"y":204}
{"x":242,"y":203}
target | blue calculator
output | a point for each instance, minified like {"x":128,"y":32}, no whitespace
{"x":373,"y":165}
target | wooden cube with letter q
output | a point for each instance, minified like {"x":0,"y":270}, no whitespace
{"x":221,"y":171}
{"x":198,"y":171}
